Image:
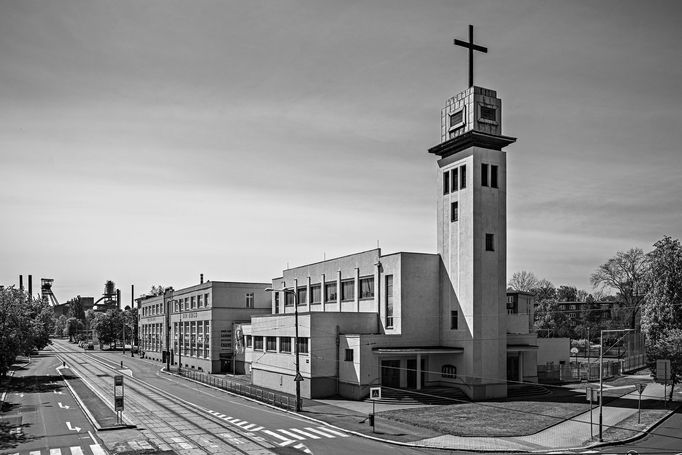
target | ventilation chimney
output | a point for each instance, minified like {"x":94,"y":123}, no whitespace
{"x":21,"y":282}
{"x":201,"y":279}
{"x":30,"y":286}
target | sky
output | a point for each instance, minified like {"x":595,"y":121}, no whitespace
{"x":149,"y":141}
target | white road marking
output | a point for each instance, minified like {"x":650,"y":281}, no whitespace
{"x":337,"y":433}
{"x":278,"y":436}
{"x":293,"y":435}
{"x":309,"y":435}
{"x":76,"y":450}
{"x":319,"y":432}
{"x":55,"y":451}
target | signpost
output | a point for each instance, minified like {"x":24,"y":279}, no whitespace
{"x":640,"y":389}
{"x":118,"y":398}
{"x":374,"y":395}
{"x":590,"y":393}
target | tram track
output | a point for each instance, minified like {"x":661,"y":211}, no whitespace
{"x":183,"y":417}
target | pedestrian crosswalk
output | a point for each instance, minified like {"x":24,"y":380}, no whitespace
{"x":285,"y":436}
{"x":93,"y":449}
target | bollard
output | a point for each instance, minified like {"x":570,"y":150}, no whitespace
{"x":371,"y":420}
{"x":63,"y":364}
{"x":121,"y":363}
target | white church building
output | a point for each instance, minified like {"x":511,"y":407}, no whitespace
{"x":412,"y":320}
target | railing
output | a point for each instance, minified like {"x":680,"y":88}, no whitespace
{"x":247,"y":390}
{"x":552,"y":373}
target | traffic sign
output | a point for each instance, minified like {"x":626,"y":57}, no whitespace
{"x":640,"y":387}
{"x":375,"y":393}
{"x":118,"y":403}
{"x":592,"y":394}
{"x":663,"y":370}
{"x":574,"y":351}
{"x":298,"y":377}
{"x":118,"y":379}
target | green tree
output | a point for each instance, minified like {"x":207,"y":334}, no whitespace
{"x":550,"y":321}
{"x":626,"y":274}
{"x":60,"y":325}
{"x":662,"y":307}
{"x":73,"y":327}
{"x":545,"y":290}
{"x":523,"y":281}
{"x":108,"y":326}
{"x":567,"y":294}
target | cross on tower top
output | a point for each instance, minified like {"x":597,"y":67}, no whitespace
{"x":472,"y":47}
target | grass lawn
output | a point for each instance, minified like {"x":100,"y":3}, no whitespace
{"x":510,"y":418}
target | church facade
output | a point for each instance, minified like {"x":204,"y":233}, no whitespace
{"x":412,"y":320}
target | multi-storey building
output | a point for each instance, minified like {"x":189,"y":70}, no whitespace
{"x":196,"y":326}
{"x":412,"y":319}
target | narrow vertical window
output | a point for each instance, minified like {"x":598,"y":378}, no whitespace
{"x":490,"y":242}
{"x":454,"y":211}
{"x":484,"y":174}
{"x":349,"y":355}
{"x":276,"y":302}
{"x":389,"y":301}
{"x":249,"y":300}
{"x":455,"y":185}
{"x":446,"y":182}
{"x":463,"y":177}
{"x":493,"y":176}
{"x":454,"y":319}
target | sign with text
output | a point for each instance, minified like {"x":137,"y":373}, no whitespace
{"x":226,"y":340}
{"x":663,"y":370}
{"x":118,"y":393}
{"x":592,"y":394}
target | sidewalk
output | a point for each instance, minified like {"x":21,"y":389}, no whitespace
{"x":569,"y":434}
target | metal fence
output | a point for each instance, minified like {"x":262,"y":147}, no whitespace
{"x":247,"y":390}
{"x":552,"y":373}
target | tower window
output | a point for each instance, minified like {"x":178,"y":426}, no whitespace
{"x":493,"y":176}
{"x":454,"y":211}
{"x":349,"y":355}
{"x":455,"y":181}
{"x":454,"y":320}
{"x":446,"y":182}
{"x":484,"y":174}
{"x":463,"y":177}
{"x":456,"y":118}
{"x":488,"y":113}
{"x":490,"y":242}
{"x":448,"y":371}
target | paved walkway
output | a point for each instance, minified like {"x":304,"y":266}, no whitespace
{"x":570,"y":434}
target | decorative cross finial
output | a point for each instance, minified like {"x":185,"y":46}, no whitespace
{"x":472,"y":47}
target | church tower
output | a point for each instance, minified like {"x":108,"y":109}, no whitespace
{"x":472,"y":235}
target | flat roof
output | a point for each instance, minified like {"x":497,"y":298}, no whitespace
{"x":424,"y":350}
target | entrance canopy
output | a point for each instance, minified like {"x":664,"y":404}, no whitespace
{"x":521,"y":347}
{"x":415,"y":351}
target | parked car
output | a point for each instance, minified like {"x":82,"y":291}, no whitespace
{"x":91,"y":346}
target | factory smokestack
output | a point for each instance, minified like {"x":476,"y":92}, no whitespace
{"x":30,"y":286}
{"x":201,"y":279}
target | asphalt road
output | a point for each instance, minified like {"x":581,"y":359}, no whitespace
{"x":41,"y":416}
{"x":279,"y":431}
{"x":665,"y":439}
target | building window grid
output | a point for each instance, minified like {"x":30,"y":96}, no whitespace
{"x":367,"y":288}
{"x":315,"y":293}
{"x":289,"y":299}
{"x":303,"y":345}
{"x":484,"y":174}
{"x":446,"y":182}
{"x":348,"y":290}
{"x":454,"y":211}
{"x":285,"y":344}
{"x":389,"y":301}
{"x":301,"y":296}
{"x":249,"y":300}
{"x":257,"y":343}
{"x":271,"y":344}
{"x":455,"y":180}
{"x":330,"y":292}
{"x":200,"y":301}
{"x":463,"y":177}
{"x":207,"y":339}
{"x":349,"y":355}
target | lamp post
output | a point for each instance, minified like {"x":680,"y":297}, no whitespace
{"x":298,"y":378}
{"x":169,"y":303}
{"x":601,"y":374}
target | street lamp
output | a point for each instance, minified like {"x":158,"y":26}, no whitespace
{"x":169,"y":303}
{"x":601,"y":374}
{"x":298,"y":378}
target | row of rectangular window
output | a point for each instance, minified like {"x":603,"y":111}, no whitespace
{"x":493,"y":175}
{"x":366,"y":291}
{"x":455,"y":179}
{"x":194,"y":338}
{"x":256,"y":342}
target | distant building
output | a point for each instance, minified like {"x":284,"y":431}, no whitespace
{"x":204,"y":320}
